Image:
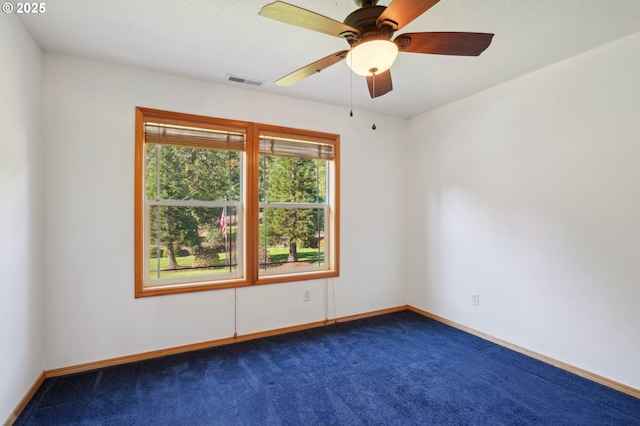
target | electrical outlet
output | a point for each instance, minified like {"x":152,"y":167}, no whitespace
{"x":306,"y":295}
{"x":475,"y":299}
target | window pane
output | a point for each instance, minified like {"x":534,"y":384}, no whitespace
{"x":292,"y":180}
{"x":291,"y":238}
{"x":192,"y":241}
{"x":187,"y":173}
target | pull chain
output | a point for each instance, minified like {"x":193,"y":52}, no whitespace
{"x":351,"y":86}
{"x":373,"y":101}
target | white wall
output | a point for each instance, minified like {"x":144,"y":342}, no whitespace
{"x":21,"y":201}
{"x":89,"y":126}
{"x":528,"y":193}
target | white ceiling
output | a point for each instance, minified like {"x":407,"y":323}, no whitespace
{"x":208,"y":39}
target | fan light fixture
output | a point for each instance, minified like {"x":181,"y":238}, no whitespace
{"x":372,"y":57}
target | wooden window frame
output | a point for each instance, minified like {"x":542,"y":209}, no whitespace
{"x":250,"y":203}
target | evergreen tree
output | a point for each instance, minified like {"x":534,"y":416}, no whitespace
{"x":296,"y":180}
{"x":175,"y":226}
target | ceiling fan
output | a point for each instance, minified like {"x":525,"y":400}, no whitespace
{"x":369,"y":30}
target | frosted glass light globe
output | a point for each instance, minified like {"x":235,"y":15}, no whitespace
{"x":372,"y":57}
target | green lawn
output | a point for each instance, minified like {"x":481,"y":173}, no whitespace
{"x":281,"y":254}
{"x":277,"y":254}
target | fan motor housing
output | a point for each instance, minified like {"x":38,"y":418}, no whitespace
{"x":365,"y":17}
{"x":364,"y":20}
{"x":365,"y":3}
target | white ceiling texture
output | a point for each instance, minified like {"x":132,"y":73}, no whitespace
{"x":210,"y":39}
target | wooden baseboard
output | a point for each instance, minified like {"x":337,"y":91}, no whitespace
{"x":209,"y":344}
{"x":373,"y":314}
{"x":25,"y":400}
{"x":563,"y":365}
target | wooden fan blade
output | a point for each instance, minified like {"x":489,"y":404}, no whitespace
{"x":400,"y":12}
{"x":304,"y":18}
{"x":444,"y":43}
{"x":381,"y":85}
{"x":312,"y":68}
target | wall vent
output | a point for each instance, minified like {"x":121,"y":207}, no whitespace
{"x":243,"y":80}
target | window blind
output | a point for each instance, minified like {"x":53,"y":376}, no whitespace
{"x":202,"y":138}
{"x":294,"y":148}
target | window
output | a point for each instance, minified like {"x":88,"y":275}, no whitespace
{"x":222,"y":203}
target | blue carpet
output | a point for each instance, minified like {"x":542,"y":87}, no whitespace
{"x":396,"y":369}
